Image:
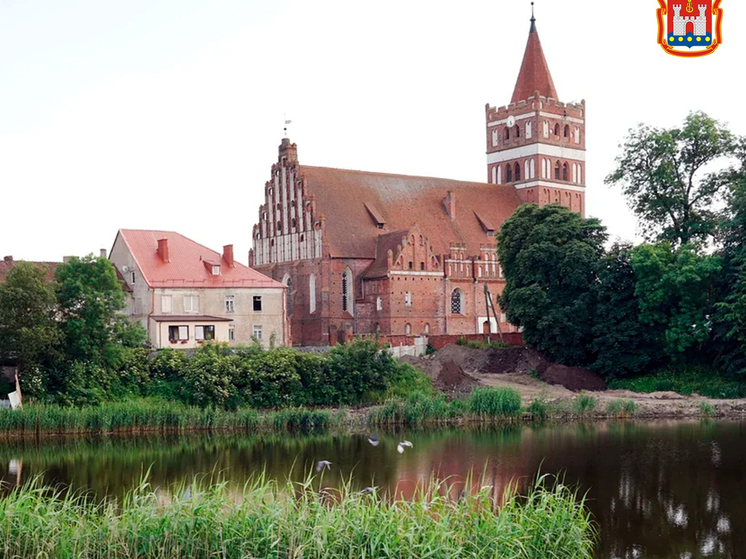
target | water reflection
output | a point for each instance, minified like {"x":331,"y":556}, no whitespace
{"x":657,"y":490}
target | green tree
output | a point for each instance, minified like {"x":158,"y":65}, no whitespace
{"x":28,"y":331}
{"x":621,"y":344}
{"x":676,"y":294}
{"x":550,"y":257}
{"x":668,"y":178}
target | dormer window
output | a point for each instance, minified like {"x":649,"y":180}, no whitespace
{"x":215,"y":269}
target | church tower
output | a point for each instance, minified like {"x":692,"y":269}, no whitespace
{"x":536,"y":143}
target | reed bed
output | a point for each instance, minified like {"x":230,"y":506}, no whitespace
{"x":416,"y":409}
{"x":275,"y":520}
{"x":488,"y":402}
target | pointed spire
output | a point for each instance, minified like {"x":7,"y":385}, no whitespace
{"x":534,"y":75}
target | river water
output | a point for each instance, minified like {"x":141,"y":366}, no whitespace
{"x":656,"y":489}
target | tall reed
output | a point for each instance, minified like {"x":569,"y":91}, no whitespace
{"x":273,"y":520}
{"x":489,"y":402}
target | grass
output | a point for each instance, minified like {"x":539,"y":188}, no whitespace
{"x":584,"y":404}
{"x":539,"y":409}
{"x":621,"y":408}
{"x":275,"y":520}
{"x":701,"y":380}
{"x":488,"y":402}
{"x":417,"y":408}
{"x":707,"y":409}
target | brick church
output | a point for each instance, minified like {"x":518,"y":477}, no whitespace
{"x":366,"y":252}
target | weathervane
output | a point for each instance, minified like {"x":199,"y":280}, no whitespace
{"x":285,"y":129}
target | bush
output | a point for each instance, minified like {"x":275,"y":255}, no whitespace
{"x":494,"y":402}
{"x":539,"y":409}
{"x":685,"y":380}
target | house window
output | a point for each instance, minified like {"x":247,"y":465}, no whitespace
{"x":215,"y":269}
{"x":257,"y":332}
{"x":257,"y":303}
{"x":191,"y":303}
{"x":231,"y":334}
{"x":379,"y":304}
{"x":165,"y":303}
{"x":457,"y":301}
{"x":408,"y":299}
{"x":178,"y":333}
{"x":132,"y":278}
{"x":204,"y":333}
{"x":230,"y":303}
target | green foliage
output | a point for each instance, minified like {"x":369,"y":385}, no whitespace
{"x":584,"y":404}
{"x":675,"y":295}
{"x":294,"y":419}
{"x":539,"y":409}
{"x":416,"y":409}
{"x":621,"y":344}
{"x":494,"y":402}
{"x":28,"y":331}
{"x":707,"y":409}
{"x":487,"y":344}
{"x":664,"y":176}
{"x":550,"y":256}
{"x":686,"y":380}
{"x":271,"y":519}
{"x":621,"y":408}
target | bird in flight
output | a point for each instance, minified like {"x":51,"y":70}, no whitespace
{"x":321,"y":464}
{"x":400,"y":447}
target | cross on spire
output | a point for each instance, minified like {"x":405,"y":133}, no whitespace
{"x":533,"y":19}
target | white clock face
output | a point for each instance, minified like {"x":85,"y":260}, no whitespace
{"x":511,"y":121}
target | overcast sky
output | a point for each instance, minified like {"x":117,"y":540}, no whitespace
{"x":167,"y":114}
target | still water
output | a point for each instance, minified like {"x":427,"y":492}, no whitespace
{"x":656,"y":489}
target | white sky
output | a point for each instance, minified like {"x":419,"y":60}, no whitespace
{"x":167,"y":114}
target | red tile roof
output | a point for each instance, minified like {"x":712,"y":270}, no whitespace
{"x":186,"y":266}
{"x":7,"y":263}
{"x":534,"y":75}
{"x":344,"y":198}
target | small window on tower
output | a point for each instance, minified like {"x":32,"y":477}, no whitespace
{"x":517,"y":131}
{"x":509,"y":173}
{"x":517,"y":172}
{"x":567,"y":131}
{"x":556,"y":129}
{"x":507,"y":133}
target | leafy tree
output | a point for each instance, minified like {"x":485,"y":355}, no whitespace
{"x":28,"y":331}
{"x":675,"y":290}
{"x":550,"y":257}
{"x":730,"y":314}
{"x":621,"y":343}
{"x":664,"y":175}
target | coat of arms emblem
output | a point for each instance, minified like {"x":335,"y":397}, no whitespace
{"x":689,"y":28}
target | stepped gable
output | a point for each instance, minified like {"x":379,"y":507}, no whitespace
{"x":187,"y":263}
{"x":534,"y":74}
{"x":351,"y":230}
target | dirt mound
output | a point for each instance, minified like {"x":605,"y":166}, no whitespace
{"x":452,"y":367}
{"x":572,"y":378}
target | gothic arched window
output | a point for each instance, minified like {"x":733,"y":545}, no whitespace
{"x":507,"y":133}
{"x":567,"y":130}
{"x":564,"y":172}
{"x":347,"y":289}
{"x":517,"y":172}
{"x":557,"y":171}
{"x":517,"y":131}
{"x":379,"y":304}
{"x":312,"y":293}
{"x":528,"y":129}
{"x":457,"y":301}
{"x":556,"y":129}
{"x":509,"y":173}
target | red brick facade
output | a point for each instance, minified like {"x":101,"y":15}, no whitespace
{"x":371,"y":253}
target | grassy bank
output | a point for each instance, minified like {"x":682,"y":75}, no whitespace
{"x":704,"y":381}
{"x":276,"y":521}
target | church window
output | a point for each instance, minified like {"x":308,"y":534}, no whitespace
{"x":293,"y":222}
{"x":517,"y":172}
{"x":494,"y":138}
{"x":494,"y":174}
{"x":408,"y":299}
{"x":564,"y":172}
{"x":509,"y":173}
{"x":457,"y":301}
{"x":507,"y":133}
{"x":528,"y":129}
{"x":407,"y":329}
{"x":546,"y":128}
{"x":312,"y":293}
{"x":567,"y":130}
{"x":580,"y":173}
{"x":499,"y":175}
{"x":557,"y":171}
{"x":379,"y":304}
{"x":411,"y":265}
{"x":556,"y":130}
{"x":527,"y":174}
{"x":517,"y":131}
{"x":422,"y":266}
{"x":347,"y":290}
{"x":577,"y":135}
{"x":532,"y":168}
{"x":279,"y":226}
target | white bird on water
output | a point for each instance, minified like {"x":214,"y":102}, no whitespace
{"x":401,"y":445}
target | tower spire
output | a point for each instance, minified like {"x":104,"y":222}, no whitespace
{"x":534,"y":75}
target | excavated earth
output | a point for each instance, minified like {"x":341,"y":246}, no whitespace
{"x":457,"y":370}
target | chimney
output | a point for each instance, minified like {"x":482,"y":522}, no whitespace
{"x":8,"y":260}
{"x":228,"y":255}
{"x":102,"y":252}
{"x":288,"y":152}
{"x":163,"y":249}
{"x":449,"y":202}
